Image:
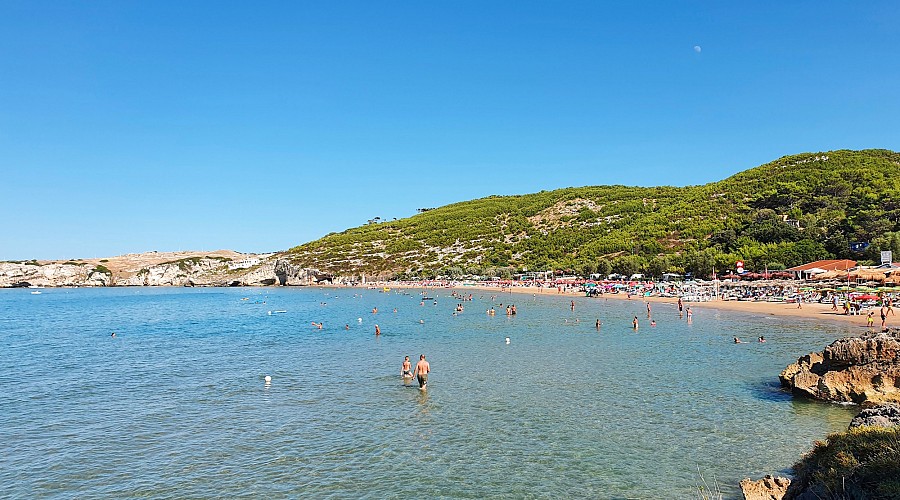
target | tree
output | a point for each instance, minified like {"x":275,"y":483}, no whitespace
{"x":658,"y":266}
{"x":587,"y":269}
{"x":604,"y":267}
{"x":454,"y":272}
{"x":628,"y":265}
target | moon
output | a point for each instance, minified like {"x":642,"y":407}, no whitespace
{"x":698,"y":49}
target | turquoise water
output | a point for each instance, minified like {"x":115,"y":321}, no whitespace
{"x":176,"y":404}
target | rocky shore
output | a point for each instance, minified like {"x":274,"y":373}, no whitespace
{"x":219,"y":268}
{"x":863,"y":462}
{"x":864,"y":369}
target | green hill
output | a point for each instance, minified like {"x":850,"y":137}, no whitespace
{"x":790,"y":211}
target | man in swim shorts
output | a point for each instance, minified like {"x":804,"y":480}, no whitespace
{"x":422,"y":371}
{"x":406,"y":370}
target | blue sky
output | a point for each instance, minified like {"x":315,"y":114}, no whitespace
{"x":132,"y":126}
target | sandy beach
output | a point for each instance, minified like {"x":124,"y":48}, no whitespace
{"x":808,"y":311}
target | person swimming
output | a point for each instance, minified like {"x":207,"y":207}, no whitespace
{"x":737,"y":341}
{"x":762,"y":339}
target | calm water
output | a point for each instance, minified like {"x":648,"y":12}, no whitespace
{"x":176,"y":404}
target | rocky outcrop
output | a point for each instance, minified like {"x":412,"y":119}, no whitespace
{"x":222,"y":268}
{"x":290,"y":275}
{"x":883,"y":415}
{"x":850,"y":370}
{"x":185,"y":272}
{"x":767,"y":488}
{"x":33,"y":274}
{"x":261,"y":275}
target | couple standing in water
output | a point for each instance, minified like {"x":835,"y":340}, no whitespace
{"x":421,"y":372}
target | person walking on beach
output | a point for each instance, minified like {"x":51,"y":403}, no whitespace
{"x":883,"y":316}
{"x":422,"y":371}
{"x":870,"y":320}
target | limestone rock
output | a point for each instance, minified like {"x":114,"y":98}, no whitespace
{"x":850,"y":370}
{"x":767,"y":488}
{"x":883,"y":415}
{"x":12,"y":273}
{"x":288,"y":274}
{"x":222,"y":268}
{"x":263,"y":274}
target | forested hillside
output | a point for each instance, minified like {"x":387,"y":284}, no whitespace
{"x":790,"y":211}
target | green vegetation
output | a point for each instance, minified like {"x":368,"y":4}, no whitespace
{"x":863,"y":462}
{"x":31,"y":262}
{"x":102,"y":269}
{"x":793,"y":210}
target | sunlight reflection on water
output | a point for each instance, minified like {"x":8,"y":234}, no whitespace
{"x":176,"y":403}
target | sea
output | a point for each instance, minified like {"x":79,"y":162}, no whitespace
{"x":176,"y":404}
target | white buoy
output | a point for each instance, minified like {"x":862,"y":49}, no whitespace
{"x":507,"y":340}
{"x":270,"y":313}
{"x":359,"y":320}
{"x":268,"y":379}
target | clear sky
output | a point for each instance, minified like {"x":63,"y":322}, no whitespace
{"x":128,"y":126}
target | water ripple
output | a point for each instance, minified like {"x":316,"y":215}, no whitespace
{"x":175,"y":405}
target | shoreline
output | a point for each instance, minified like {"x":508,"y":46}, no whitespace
{"x":809,"y":311}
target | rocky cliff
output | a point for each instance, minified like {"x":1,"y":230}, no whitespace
{"x":850,"y":370}
{"x":221,"y":268}
{"x":75,"y":274}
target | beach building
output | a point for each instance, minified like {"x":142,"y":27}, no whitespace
{"x":820,"y":267}
{"x":244,"y":263}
